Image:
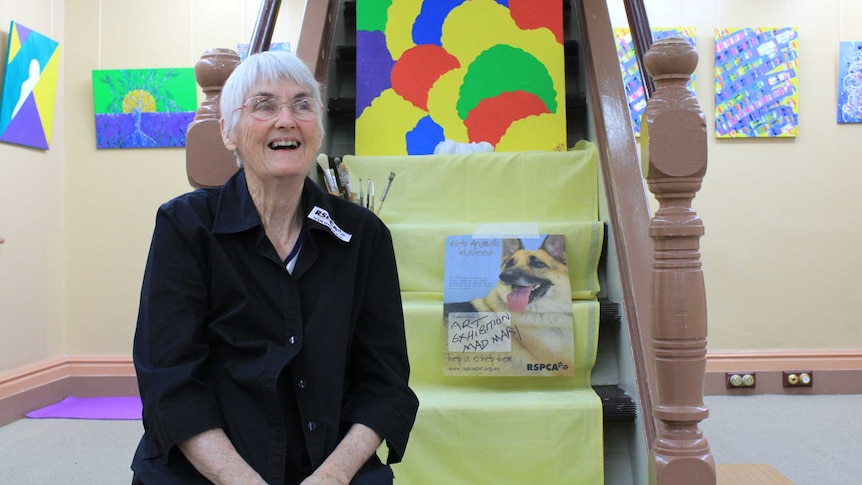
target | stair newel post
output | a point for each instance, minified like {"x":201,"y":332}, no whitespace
{"x":208,"y":162}
{"x":673,"y":143}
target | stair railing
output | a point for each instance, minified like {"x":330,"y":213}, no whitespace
{"x":628,"y":205}
{"x":674,"y":143}
{"x":661,"y":276}
{"x":317,"y":36}
{"x":641,"y":37}
{"x":261,"y":36}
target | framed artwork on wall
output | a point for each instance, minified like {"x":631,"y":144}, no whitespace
{"x":756,"y":92}
{"x":143,"y":108}
{"x":29,"y":88}
{"x":242,"y":48}
{"x":850,"y":82}
{"x":475,"y":71}
{"x":632,"y":81}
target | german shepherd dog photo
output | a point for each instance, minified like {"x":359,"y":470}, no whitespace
{"x":533,"y":286}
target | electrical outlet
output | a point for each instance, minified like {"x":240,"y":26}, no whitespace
{"x":798,"y":378}
{"x":740,"y":380}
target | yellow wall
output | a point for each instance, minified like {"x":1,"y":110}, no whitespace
{"x":780,"y":255}
{"x":32,"y":189}
{"x":78,"y":220}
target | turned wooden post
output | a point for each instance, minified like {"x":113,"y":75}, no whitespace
{"x":208,"y":162}
{"x":673,"y":142}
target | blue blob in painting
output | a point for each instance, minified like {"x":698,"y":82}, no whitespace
{"x":422,"y":139}
{"x":428,"y":28}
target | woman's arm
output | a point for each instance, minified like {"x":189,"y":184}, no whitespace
{"x":348,"y":457}
{"x":378,"y":371}
{"x":214,"y":456}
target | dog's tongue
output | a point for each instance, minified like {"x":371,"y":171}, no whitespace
{"x":519,"y":298}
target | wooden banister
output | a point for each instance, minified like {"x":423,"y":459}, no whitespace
{"x":318,"y":36}
{"x":673,"y":141}
{"x":641,"y":37}
{"x":261,"y":37}
{"x":628,"y":205}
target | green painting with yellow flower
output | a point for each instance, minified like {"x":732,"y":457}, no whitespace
{"x":143,"y":108}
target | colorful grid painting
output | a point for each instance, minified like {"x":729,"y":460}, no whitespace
{"x":756,"y":92}
{"x":29,"y":88}
{"x":242,"y":49}
{"x":143,"y":108}
{"x":850,"y":82}
{"x":635,"y":92}
{"x":462,"y":70}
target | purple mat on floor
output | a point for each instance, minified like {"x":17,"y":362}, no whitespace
{"x":91,"y":408}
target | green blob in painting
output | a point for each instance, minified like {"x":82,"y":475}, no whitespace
{"x":502,"y":69}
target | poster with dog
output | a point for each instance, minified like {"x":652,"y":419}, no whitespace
{"x":507,"y":307}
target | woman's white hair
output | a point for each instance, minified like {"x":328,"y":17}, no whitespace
{"x":264,"y":67}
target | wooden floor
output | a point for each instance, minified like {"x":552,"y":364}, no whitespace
{"x":749,"y":475}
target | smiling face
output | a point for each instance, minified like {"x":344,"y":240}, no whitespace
{"x":280,"y":147}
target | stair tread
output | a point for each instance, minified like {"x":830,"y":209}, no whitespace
{"x":617,"y":405}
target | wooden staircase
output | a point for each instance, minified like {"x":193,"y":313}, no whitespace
{"x":620,"y":411}
{"x":650,"y":426}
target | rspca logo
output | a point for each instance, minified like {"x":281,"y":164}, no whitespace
{"x":322,"y":216}
{"x":547,"y":367}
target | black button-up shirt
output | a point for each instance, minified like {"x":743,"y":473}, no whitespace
{"x":223,"y":329}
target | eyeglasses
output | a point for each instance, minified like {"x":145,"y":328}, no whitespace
{"x":265,"y":108}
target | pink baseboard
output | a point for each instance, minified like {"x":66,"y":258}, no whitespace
{"x":835,"y":371}
{"x":50,"y":381}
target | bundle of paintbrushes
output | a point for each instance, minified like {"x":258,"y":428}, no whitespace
{"x":336,"y":176}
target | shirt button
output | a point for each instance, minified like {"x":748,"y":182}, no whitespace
{"x":292,"y":339}
{"x":302,"y":383}
{"x":312,"y":425}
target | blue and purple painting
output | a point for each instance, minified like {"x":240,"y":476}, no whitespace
{"x":632,"y":81}
{"x":850,"y":82}
{"x":143,"y":108}
{"x":756,"y":92}
{"x":242,"y":48}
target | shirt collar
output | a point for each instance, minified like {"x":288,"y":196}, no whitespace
{"x":236,"y":211}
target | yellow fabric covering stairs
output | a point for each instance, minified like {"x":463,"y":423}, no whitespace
{"x":494,"y":430}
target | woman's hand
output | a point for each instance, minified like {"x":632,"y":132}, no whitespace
{"x":347,"y":458}
{"x":215,"y":457}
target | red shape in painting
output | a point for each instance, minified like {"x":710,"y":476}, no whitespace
{"x":535,"y":14}
{"x":490,"y":119}
{"x":418,"y":69}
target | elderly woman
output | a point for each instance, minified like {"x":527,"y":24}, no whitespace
{"x":270,"y":342}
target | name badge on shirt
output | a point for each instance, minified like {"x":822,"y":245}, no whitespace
{"x":322,"y":216}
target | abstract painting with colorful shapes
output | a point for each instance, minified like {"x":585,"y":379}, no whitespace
{"x":466,"y":71}
{"x":29,"y":88}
